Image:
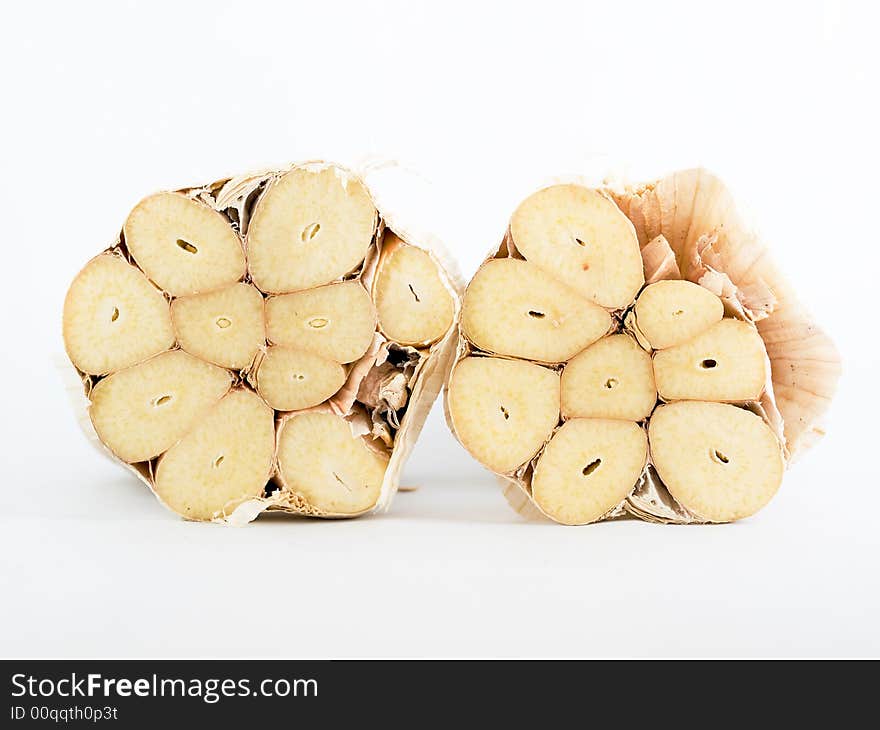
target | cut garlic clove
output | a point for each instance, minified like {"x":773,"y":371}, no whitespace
{"x":213,"y":469}
{"x":225,"y":327}
{"x":291,"y":380}
{"x":588,"y":468}
{"x":503,"y":410}
{"x":512,"y":307}
{"x":669,"y":313}
{"x":335,"y":321}
{"x":114,"y":317}
{"x":727,"y":362}
{"x":583,"y":239}
{"x":183,"y":245}
{"x":311,"y":226}
{"x":721,"y":462}
{"x":141,"y":411}
{"x":321,"y":460}
{"x":612,"y":378}
{"x":413,"y":304}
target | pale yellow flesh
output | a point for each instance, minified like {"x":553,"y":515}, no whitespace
{"x":511,"y":307}
{"x":612,"y":378}
{"x":334,"y":471}
{"x":290,"y":379}
{"x":225,"y":327}
{"x":310,"y":227}
{"x":141,"y":411}
{"x":503,"y":410}
{"x":413,"y":304}
{"x":114,"y":317}
{"x":335,"y":321}
{"x":581,"y":238}
{"x":588,"y":468}
{"x":727,"y":362}
{"x":183,"y":245}
{"x":669,"y":313}
{"x":721,"y":462}
{"x":225,"y":460}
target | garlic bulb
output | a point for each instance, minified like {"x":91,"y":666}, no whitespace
{"x":263,"y":342}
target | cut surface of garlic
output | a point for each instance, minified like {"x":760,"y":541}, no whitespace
{"x":114,"y":317}
{"x":588,"y":468}
{"x":230,"y":351}
{"x":321,"y":459}
{"x":225,"y":326}
{"x":503,"y":410}
{"x":512,"y":307}
{"x":141,"y":411}
{"x":727,"y":362}
{"x":336,"y":321}
{"x":291,"y":380}
{"x":721,"y":462}
{"x":414,"y":306}
{"x":672,"y":312}
{"x":183,"y":245}
{"x":671,"y":412}
{"x":579,"y":236}
{"x":612,"y":378}
{"x":311,"y":226}
{"x":212,"y":469}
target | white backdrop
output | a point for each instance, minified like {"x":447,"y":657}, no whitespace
{"x":106,"y":102}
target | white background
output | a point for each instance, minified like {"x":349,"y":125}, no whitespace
{"x":106,"y":102}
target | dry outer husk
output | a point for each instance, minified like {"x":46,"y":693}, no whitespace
{"x":378,"y":387}
{"x":689,"y":228}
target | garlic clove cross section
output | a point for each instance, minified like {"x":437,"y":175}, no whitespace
{"x":512,"y":307}
{"x":212,"y":469}
{"x":720,"y":461}
{"x":414,"y":306}
{"x":143,"y":410}
{"x":588,"y":468}
{"x":727,"y":362}
{"x":580,"y":237}
{"x":336,"y":321}
{"x":503,"y":410}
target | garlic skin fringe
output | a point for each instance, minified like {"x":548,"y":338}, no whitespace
{"x":236,"y":344}
{"x":687,"y":409}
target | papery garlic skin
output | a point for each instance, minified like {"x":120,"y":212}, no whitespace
{"x":715,"y":246}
